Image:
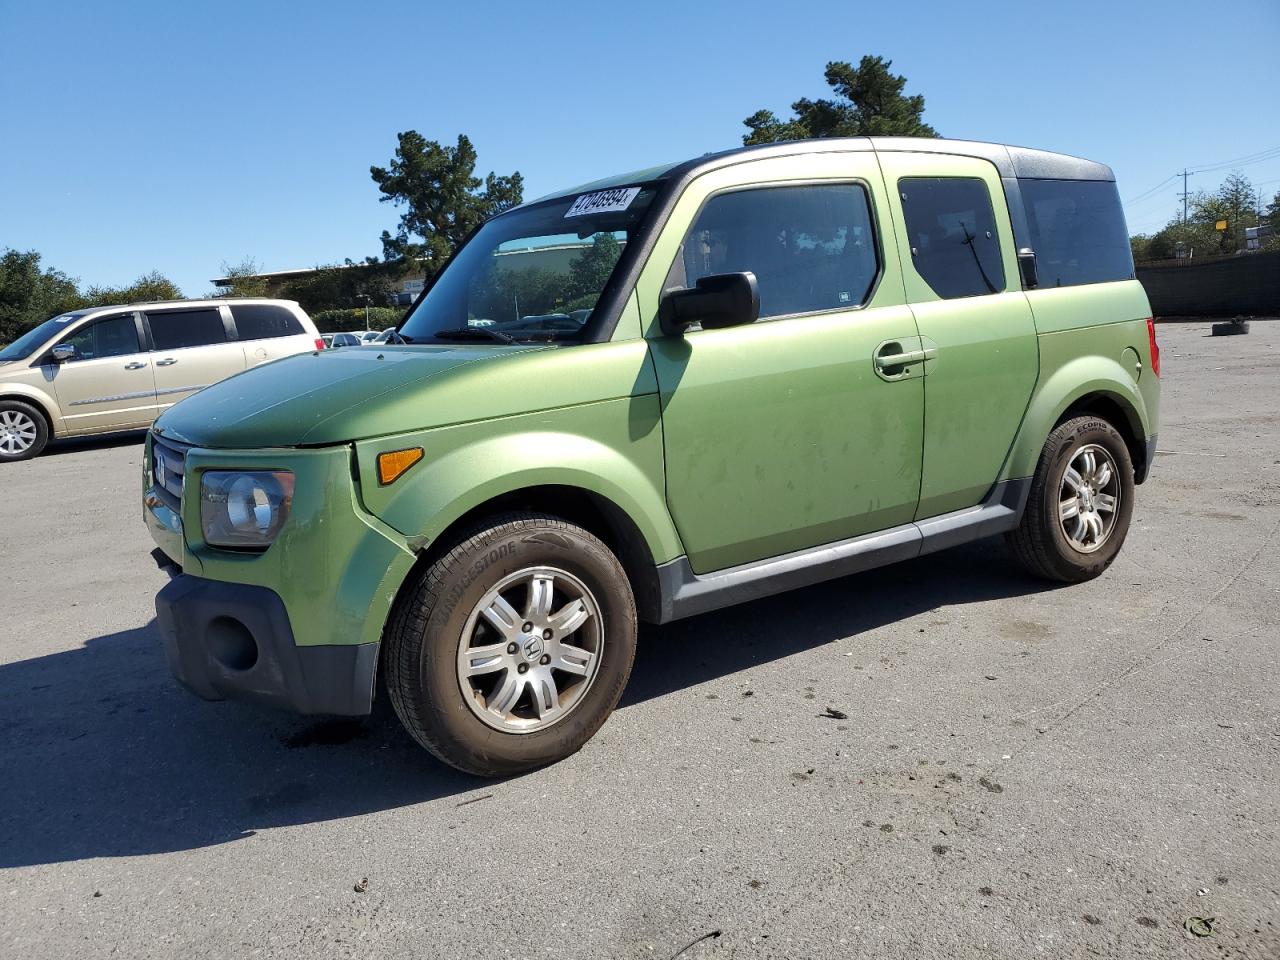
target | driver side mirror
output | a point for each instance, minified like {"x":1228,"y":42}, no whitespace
{"x":63,"y":352}
{"x":723,"y":300}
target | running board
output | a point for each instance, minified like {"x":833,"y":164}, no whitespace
{"x":683,"y":593}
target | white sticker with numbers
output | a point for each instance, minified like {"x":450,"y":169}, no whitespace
{"x":603,"y":201}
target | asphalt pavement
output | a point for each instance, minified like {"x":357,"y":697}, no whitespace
{"x":1021,"y":770}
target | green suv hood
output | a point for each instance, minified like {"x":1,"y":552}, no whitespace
{"x":332,"y":396}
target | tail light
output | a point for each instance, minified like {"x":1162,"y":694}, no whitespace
{"x":320,"y":342}
{"x":1155,"y":347}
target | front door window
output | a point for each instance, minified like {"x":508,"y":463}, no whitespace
{"x":112,"y":337}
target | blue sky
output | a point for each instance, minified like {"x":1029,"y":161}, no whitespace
{"x":177,"y":136}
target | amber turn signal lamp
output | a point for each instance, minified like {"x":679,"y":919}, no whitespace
{"x":393,"y":464}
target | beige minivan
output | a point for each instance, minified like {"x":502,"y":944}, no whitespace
{"x":118,"y":368}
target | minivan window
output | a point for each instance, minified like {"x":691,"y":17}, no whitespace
{"x":175,"y":329}
{"x":951,"y":228}
{"x":110,"y":337}
{"x":263,"y":321}
{"x":29,"y":342}
{"x":810,"y":247}
{"x":534,"y":273}
{"x":1077,"y":231}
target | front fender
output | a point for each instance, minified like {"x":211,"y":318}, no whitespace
{"x":40,"y":398}
{"x":612,"y":449}
{"x":1070,"y":382}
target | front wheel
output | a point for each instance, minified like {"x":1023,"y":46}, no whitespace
{"x":510,"y":651}
{"x":1080,"y":504}
{"x":23,"y":431}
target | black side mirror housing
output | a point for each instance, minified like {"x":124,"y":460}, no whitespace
{"x":1027,"y":266}
{"x":723,"y":300}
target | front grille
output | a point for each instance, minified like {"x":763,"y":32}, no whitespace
{"x":168,"y":470}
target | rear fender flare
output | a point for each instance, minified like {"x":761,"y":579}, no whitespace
{"x":1066,"y":386}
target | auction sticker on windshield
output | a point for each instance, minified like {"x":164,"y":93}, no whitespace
{"x":603,"y":201}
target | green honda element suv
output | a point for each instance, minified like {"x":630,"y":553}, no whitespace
{"x":647,"y":398}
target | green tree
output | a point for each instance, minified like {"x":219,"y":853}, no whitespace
{"x":30,"y":295}
{"x":1273,"y":218}
{"x":443,"y":199}
{"x":1232,"y":202}
{"x":869,"y":103}
{"x":340,"y":286}
{"x":148,"y":288}
{"x":245,"y":280}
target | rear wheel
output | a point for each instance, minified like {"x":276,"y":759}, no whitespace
{"x":510,"y":651}
{"x":1080,"y":504}
{"x":23,"y":431}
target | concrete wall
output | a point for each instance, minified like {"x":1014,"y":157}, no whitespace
{"x":1247,"y":284}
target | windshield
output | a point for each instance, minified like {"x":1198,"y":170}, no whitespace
{"x":534,"y":274}
{"x":27,"y":344}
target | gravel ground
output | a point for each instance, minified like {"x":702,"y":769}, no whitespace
{"x":1023,"y":769}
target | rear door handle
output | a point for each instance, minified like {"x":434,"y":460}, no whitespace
{"x":166,"y":362}
{"x":134,"y":366}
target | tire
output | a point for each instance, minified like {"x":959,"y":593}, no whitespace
{"x":1230,"y":328}
{"x":463,"y":719}
{"x":1055,"y":547}
{"x":23,"y":431}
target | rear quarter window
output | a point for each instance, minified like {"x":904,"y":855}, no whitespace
{"x":264,"y":321}
{"x":1077,"y":231}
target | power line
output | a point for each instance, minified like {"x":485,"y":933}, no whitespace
{"x":1146,"y":193}
{"x":1238,"y":161}
{"x":1248,"y":158}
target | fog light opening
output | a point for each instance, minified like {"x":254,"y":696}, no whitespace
{"x":231,"y":644}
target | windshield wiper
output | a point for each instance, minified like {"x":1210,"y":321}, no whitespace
{"x":474,"y":333}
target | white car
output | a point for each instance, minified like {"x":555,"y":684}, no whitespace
{"x":106,"y":369}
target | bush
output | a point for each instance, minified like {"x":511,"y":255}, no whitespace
{"x":336,"y":321}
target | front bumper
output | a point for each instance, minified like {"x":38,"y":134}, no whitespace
{"x":234,"y":641}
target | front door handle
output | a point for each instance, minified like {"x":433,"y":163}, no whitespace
{"x":136,"y":365}
{"x":903,"y":359}
{"x":887,"y":360}
{"x":166,"y":362}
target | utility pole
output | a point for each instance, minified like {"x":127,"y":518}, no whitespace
{"x":1185,"y":173}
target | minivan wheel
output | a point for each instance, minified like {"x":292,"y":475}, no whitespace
{"x":511,"y":650}
{"x":23,"y":431}
{"x":1080,"y":504}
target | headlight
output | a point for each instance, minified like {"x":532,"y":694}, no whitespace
{"x":244,"y":510}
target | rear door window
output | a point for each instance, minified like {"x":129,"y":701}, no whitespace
{"x":812,"y":248}
{"x":264,"y":321}
{"x":176,"y":329}
{"x":952,"y":231}
{"x":1077,"y":231}
{"x":109,"y":337}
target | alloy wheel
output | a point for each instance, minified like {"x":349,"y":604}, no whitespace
{"x":17,"y":432}
{"x":530,"y":650}
{"x":1089,"y":498}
